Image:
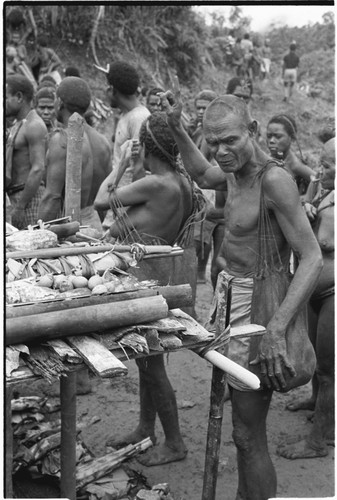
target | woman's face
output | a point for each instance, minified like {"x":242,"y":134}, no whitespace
{"x":278,"y":139}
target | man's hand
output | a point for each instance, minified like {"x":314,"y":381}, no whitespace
{"x":310,"y":211}
{"x":273,"y":359}
{"x":172,"y":105}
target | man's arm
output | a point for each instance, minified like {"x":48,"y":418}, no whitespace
{"x":136,"y":193}
{"x":297,"y":231}
{"x":300,"y":169}
{"x":36,"y":136}
{"x":55,"y":61}
{"x":206,"y":175}
{"x":51,"y":202}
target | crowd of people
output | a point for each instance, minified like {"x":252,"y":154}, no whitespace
{"x":198,"y":184}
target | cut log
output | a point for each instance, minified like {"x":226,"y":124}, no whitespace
{"x":98,"y":318}
{"x":64,"y":351}
{"x":99,"y":467}
{"x":175,"y":296}
{"x":99,"y":359}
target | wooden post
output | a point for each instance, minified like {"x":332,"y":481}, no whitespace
{"x":72,"y":201}
{"x":8,"y":444}
{"x":68,"y":435}
{"x":215,"y":414}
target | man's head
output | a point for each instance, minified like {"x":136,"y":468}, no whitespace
{"x":49,"y":79}
{"x":246,"y":36}
{"x":328,"y":165}
{"x":72,"y":71}
{"x":45,"y":104}
{"x":292,"y":47}
{"x":229,"y":130}
{"x":201,"y":101}
{"x":281,"y":131}
{"x":157,"y":138}
{"x":19,"y":93}
{"x":153,"y":100}
{"x":123,"y":81}
{"x":73,"y":95}
{"x":241,"y":88}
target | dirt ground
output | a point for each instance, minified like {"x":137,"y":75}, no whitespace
{"x":115,"y":402}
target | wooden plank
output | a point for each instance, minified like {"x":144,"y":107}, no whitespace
{"x":72,"y":198}
{"x":65,"y":352}
{"x":194,"y":330}
{"x":99,"y":358}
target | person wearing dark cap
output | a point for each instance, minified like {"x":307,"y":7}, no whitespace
{"x":291,"y":63}
{"x":122,"y":93}
{"x":73,"y":95}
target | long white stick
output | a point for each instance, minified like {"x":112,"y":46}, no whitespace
{"x":233,"y":368}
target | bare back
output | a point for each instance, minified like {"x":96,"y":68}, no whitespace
{"x":166,"y":205}
{"x":324,"y":232}
{"x":101,"y":155}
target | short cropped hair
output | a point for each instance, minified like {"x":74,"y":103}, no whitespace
{"x":237,"y":82}
{"x":19,"y":83}
{"x":15,"y":18}
{"x":288,"y":123}
{"x":123,"y":77}
{"x":72,"y":71}
{"x":292,"y":46}
{"x":228,"y":104}
{"x":75,"y":93}
{"x":205,"y":95}
{"x":158,"y":139}
{"x":45,"y":93}
{"x":48,"y":78}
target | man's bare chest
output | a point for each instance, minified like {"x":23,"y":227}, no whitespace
{"x":242,"y":210}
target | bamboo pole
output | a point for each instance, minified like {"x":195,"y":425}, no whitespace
{"x":98,"y":318}
{"x":72,"y":199}
{"x":55,"y":252}
{"x":176,"y":296}
{"x":215,"y":423}
{"x":68,"y":435}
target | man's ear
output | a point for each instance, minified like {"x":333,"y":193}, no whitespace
{"x":252,"y":128}
{"x":19,"y":96}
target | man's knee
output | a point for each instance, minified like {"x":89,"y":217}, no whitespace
{"x":242,"y":438}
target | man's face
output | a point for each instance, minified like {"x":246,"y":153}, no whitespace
{"x":153,"y":103}
{"x":228,"y":140}
{"x":242,"y":92}
{"x":328,"y":166}
{"x":46,"y":109}
{"x":200,"y":107}
{"x":13,"y":105}
{"x":112,"y":98}
{"x":278,"y":140}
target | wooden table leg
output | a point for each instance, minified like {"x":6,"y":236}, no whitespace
{"x":9,"y":444}
{"x":68,"y":435}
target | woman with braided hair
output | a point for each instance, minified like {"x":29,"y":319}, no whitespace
{"x":281,"y":133}
{"x":161,"y":206}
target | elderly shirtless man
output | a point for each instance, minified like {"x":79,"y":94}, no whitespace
{"x":25,"y":152}
{"x":229,"y":132}
{"x":157,"y":208}
{"x":73,"y":95}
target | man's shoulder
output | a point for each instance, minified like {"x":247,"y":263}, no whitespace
{"x":277,"y":181}
{"x":34,"y":125}
{"x":140,"y":112}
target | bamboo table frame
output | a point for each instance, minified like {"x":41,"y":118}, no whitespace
{"x":68,"y":426}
